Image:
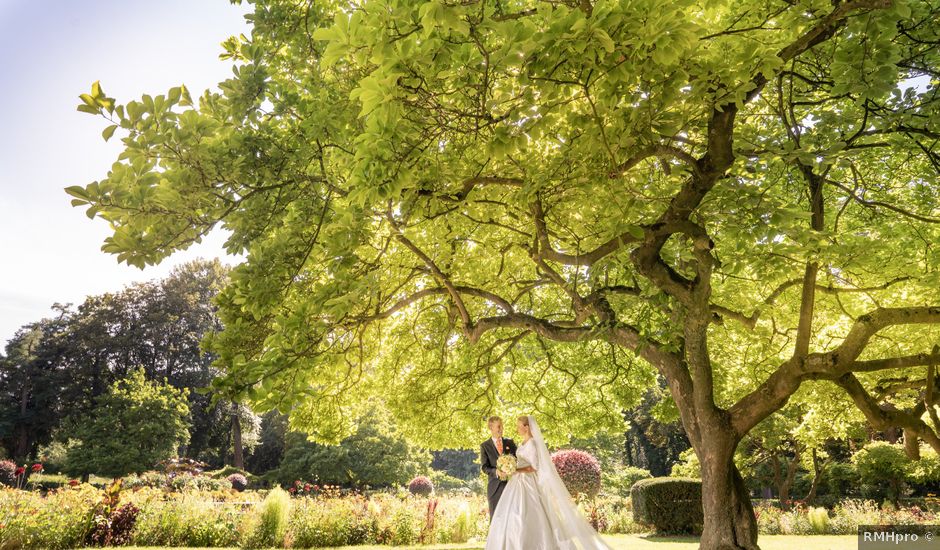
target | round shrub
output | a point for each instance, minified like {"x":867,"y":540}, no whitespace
{"x":7,"y":473}
{"x":882,"y":467}
{"x":238,"y":481}
{"x":670,"y":504}
{"x":580,"y":471}
{"x":421,"y":486}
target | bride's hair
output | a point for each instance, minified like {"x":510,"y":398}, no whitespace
{"x":524,"y":419}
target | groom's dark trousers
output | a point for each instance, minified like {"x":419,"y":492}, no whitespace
{"x":488,"y":457}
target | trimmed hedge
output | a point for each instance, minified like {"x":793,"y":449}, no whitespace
{"x":670,"y":504}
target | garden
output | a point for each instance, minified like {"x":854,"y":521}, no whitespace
{"x":181,"y":504}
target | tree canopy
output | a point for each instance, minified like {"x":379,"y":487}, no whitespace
{"x":56,"y":367}
{"x":136,"y":424}
{"x":541,"y":206}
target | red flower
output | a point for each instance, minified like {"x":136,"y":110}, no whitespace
{"x":292,"y":490}
{"x":37,"y":468}
{"x":316,"y":487}
{"x":20,"y":471}
{"x":73,"y":482}
{"x":307,"y":487}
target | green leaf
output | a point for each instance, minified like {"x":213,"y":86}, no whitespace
{"x":77,"y":191}
{"x":109,"y":131}
{"x":605,"y":40}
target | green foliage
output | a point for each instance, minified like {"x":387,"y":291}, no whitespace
{"x":819,"y":520}
{"x":669,"y":504}
{"x":267,"y":526}
{"x":63,"y":363}
{"x":318,"y":524}
{"x":188,"y":520}
{"x":445,"y":483}
{"x":133,"y":426}
{"x":485,"y":207}
{"x":926,"y":470}
{"x":376,"y":455}
{"x":57,"y":521}
{"x":882,"y":467}
{"x":688,"y":466}
{"x":620,"y":480}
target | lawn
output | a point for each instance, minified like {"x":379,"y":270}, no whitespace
{"x":635,"y":542}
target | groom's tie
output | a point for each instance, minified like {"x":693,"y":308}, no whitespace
{"x":499,"y":446}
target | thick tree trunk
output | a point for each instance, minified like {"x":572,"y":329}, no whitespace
{"x":238,"y":458}
{"x":730,"y":523}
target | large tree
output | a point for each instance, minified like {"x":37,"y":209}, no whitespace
{"x":132,"y":427}
{"x":523,"y":205}
{"x":56,"y":367}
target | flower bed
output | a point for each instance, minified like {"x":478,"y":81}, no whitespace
{"x":65,"y":518}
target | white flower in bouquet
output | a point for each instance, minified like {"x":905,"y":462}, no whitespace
{"x":506,"y":465}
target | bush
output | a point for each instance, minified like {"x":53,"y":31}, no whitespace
{"x":580,"y":471}
{"x":669,"y":504}
{"x":619,"y":481}
{"x":238,"y":481}
{"x":8,"y":473}
{"x":688,"y":465}
{"x":882,"y":467}
{"x":54,"y":454}
{"x":132,"y":426}
{"x":421,"y":486}
{"x":841,"y":479}
{"x":444,"y":482}
{"x":268,"y":527}
{"x":926,"y":471}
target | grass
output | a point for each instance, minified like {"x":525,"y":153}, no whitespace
{"x":635,"y":542}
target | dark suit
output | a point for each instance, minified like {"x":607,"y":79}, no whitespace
{"x":488,"y":457}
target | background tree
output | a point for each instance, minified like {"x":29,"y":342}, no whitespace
{"x":531,"y":206}
{"x":55,"y":368}
{"x":28,"y":390}
{"x":376,"y":455}
{"x":655,"y":438}
{"x":269,"y":452}
{"x":136,"y":424}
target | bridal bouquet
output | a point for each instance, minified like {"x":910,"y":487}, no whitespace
{"x":506,"y":465}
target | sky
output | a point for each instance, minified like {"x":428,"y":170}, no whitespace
{"x":52,"y":51}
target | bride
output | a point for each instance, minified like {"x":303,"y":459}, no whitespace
{"x":536,"y":511}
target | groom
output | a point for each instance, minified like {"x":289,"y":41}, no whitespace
{"x":489,"y":454}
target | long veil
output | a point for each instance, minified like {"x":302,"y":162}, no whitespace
{"x":572,"y":531}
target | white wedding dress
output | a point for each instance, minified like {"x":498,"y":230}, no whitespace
{"x":536,"y":511}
